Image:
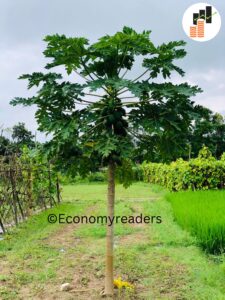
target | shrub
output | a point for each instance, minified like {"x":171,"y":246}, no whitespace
{"x":97,"y":177}
{"x":201,"y":173}
{"x":91,"y":177}
{"x":138,"y":173}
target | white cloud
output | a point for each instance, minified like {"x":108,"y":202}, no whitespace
{"x":212,"y":84}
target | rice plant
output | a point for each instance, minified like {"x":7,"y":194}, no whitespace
{"x":202,"y":213}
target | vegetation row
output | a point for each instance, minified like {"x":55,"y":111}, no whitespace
{"x":201,"y":173}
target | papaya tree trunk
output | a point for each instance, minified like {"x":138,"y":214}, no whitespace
{"x":110,"y":230}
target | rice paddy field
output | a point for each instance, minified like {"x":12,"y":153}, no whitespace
{"x":202,"y":213}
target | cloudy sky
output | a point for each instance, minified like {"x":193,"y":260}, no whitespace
{"x":24,"y":23}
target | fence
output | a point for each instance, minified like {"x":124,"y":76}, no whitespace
{"x":25,"y":188}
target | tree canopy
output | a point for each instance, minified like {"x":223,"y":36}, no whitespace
{"x":208,"y":129}
{"x":22,"y":136}
{"x":102,"y":112}
{"x":12,"y":140}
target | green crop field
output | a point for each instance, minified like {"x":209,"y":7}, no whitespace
{"x":202,"y":214}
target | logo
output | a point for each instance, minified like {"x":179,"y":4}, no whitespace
{"x":201,"y":22}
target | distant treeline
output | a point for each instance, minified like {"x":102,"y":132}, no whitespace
{"x":207,"y":129}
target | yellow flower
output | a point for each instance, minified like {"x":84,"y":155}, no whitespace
{"x":119,"y":284}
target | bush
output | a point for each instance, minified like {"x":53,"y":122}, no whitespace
{"x":137,"y":173}
{"x":201,"y":173}
{"x":91,"y":177}
{"x":97,"y":177}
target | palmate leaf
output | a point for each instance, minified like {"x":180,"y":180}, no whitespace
{"x":162,"y":62}
{"x":23,"y":101}
{"x":106,"y":146}
{"x":170,"y":90}
{"x":36,"y":78}
{"x":65,"y":51}
{"x":127,"y":39}
{"x":159,"y":90}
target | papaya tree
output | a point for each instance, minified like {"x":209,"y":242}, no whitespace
{"x":101,"y":112}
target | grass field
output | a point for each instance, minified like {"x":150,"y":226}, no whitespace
{"x":202,"y":213}
{"x":161,"y":260}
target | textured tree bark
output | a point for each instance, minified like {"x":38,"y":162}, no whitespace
{"x":2,"y":225}
{"x":58,"y":190}
{"x":110,"y":230}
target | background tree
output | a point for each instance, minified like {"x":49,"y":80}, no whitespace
{"x":208,"y":129}
{"x":22,"y":136}
{"x":100,"y":114}
{"x":219,"y":134}
{"x":4,"y":145}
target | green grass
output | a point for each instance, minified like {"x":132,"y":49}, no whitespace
{"x":202,"y":213}
{"x":161,"y":260}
